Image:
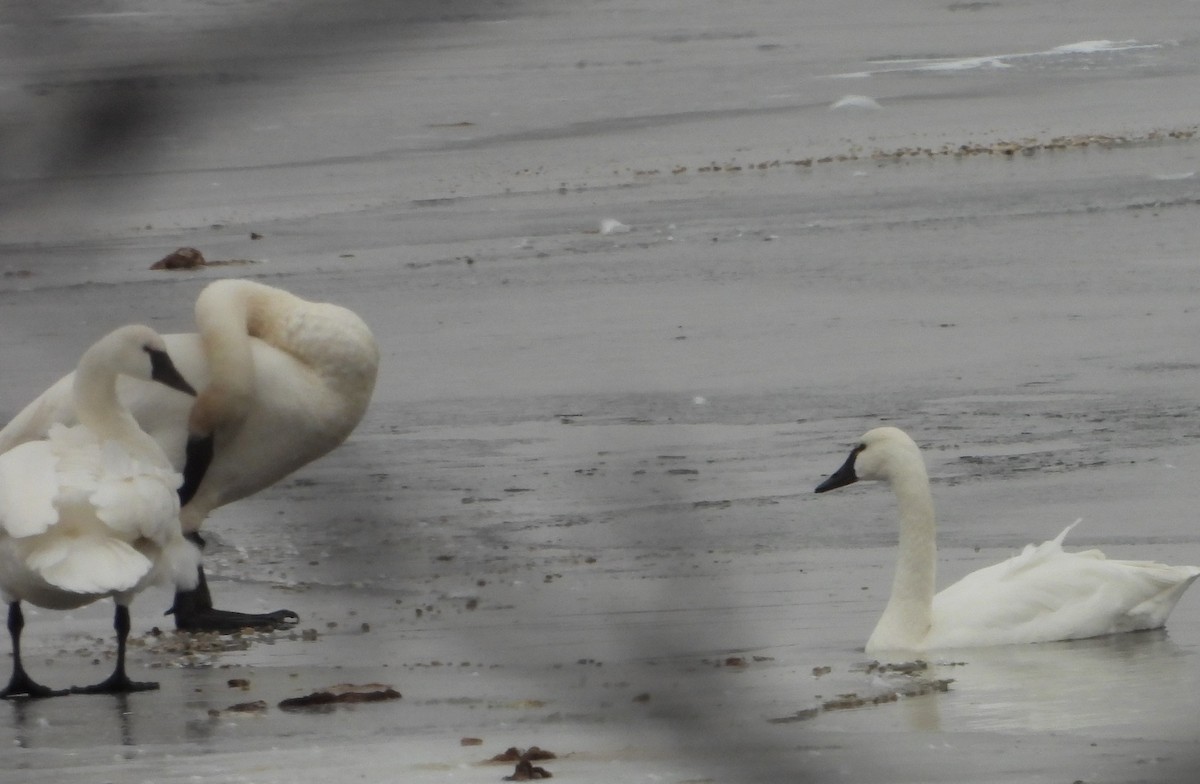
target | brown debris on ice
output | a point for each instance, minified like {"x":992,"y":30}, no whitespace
{"x":181,"y":258}
{"x":893,"y":681}
{"x":190,"y":259}
{"x":255,"y":708}
{"x":343,"y":693}
{"x":525,"y":770}
{"x":532,"y":754}
{"x":1002,"y":149}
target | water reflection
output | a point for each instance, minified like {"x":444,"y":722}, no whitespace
{"x":34,"y":720}
{"x":1125,"y":680}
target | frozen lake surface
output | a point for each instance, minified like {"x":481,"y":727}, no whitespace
{"x":579,"y":513}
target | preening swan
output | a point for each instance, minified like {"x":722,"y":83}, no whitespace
{"x":282,"y":381}
{"x":1041,"y":595}
{"x":93,"y":510}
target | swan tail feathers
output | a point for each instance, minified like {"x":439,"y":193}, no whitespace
{"x":28,"y":490}
{"x":1173,"y":581}
{"x":179,"y":564}
{"x":89,"y":564}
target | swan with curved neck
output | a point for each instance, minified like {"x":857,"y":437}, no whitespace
{"x":1041,"y":595}
{"x":92,"y":510}
{"x":282,"y":381}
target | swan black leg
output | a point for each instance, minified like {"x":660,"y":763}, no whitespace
{"x":198,"y":456}
{"x":20,"y":684}
{"x":194,"y":611}
{"x":118,"y":682}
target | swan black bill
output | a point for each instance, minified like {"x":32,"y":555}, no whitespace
{"x":841,"y":477}
{"x":163,"y":370}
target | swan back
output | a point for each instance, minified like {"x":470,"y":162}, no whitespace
{"x":333,"y":350}
{"x":1046,"y":593}
{"x":289,"y":379}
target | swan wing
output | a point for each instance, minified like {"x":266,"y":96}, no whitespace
{"x":133,"y":498}
{"x":28,"y":489}
{"x":1046,"y":593}
{"x":34,"y":421}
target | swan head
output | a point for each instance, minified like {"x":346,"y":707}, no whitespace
{"x":138,"y":351}
{"x":878,"y":456}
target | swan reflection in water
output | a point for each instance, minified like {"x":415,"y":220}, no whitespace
{"x":36,"y":724}
{"x":1120,"y":682}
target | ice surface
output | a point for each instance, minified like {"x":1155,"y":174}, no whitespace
{"x":538,"y":535}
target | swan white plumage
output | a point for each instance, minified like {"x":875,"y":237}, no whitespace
{"x":1041,"y":595}
{"x":92,"y":510}
{"x":283,"y":381}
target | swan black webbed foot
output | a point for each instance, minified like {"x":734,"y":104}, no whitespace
{"x":118,"y":682}
{"x":194,"y":611}
{"x":231,"y":621}
{"x":20,"y":684}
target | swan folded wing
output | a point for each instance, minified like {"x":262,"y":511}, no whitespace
{"x":28,"y":489}
{"x":1048,"y":594}
{"x":79,"y":458}
{"x":88,"y":564}
{"x":34,"y":421}
{"x":137,"y":507}
{"x":1034,"y":555}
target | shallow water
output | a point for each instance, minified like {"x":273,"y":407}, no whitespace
{"x":579,"y":513}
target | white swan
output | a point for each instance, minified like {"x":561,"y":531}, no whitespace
{"x":93,"y":510}
{"x":1041,"y":595}
{"x":283,"y":381}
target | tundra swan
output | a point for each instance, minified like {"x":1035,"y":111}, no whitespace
{"x":1041,"y":595}
{"x":93,"y":510}
{"x":282,"y":381}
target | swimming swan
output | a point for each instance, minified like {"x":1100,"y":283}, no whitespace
{"x":1041,"y":595}
{"x":283,"y":381}
{"x":93,"y":510}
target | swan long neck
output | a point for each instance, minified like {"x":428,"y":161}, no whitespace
{"x":94,"y":393}
{"x":909,"y":612}
{"x":223,"y":319}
